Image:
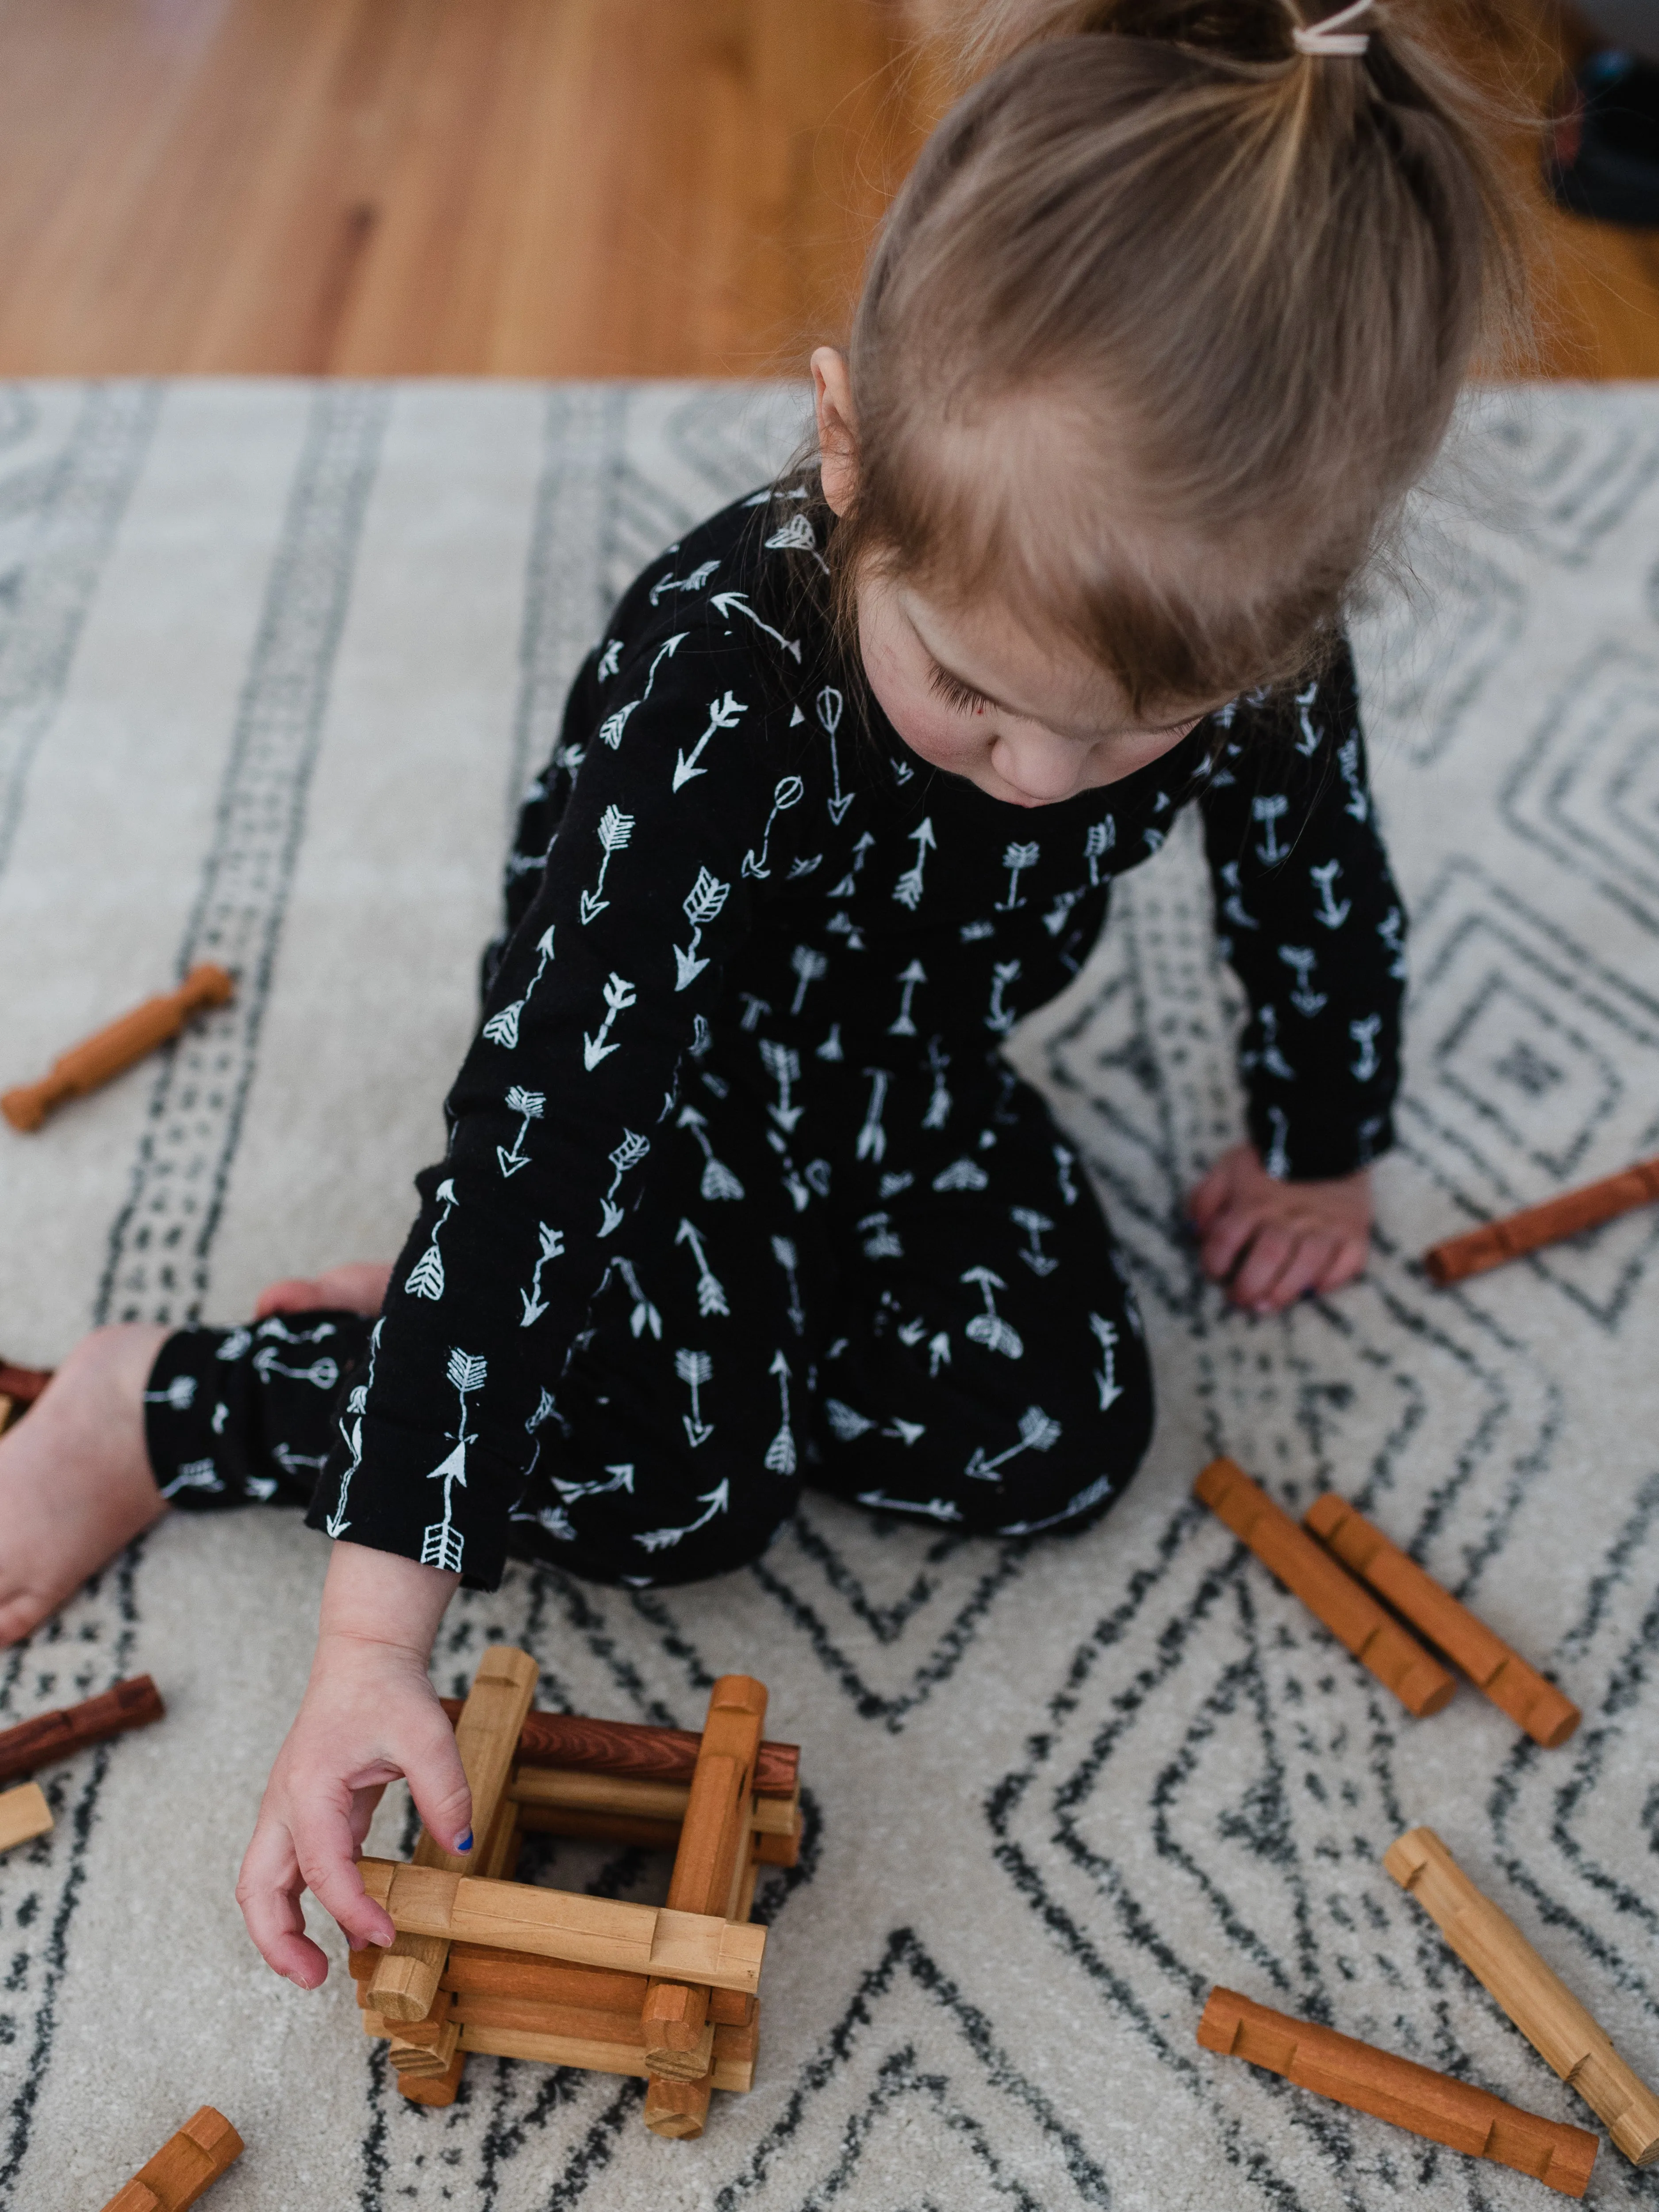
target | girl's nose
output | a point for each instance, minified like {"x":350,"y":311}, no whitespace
{"x":1041,"y":768}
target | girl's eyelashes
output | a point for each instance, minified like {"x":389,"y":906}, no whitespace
{"x":954,"y":693}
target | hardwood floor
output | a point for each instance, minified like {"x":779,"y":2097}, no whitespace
{"x":522,"y":187}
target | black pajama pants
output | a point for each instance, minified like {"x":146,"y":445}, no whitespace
{"x":898,"y":1288}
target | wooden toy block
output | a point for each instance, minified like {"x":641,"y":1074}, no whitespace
{"x":206,"y":2147}
{"x":434,"y":2089}
{"x":1330,"y":1593}
{"x":1559,"y":2028}
{"x":587,"y":1932}
{"x":630,"y":1750}
{"x":709,"y":1867}
{"x":665,"y":1994}
{"x":24,"y":1815}
{"x":1587,"y":1208}
{"x":1398,"y":2089}
{"x":50,"y":1736}
{"x":110,"y":1050}
{"x":487,"y":1735}
{"x":1547,"y":1715}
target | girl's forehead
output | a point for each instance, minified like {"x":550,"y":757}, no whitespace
{"x":1033,"y":671}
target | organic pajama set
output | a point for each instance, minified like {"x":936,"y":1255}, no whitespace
{"x":740,"y":1193}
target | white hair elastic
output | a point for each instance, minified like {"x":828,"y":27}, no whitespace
{"x":1329,"y":39}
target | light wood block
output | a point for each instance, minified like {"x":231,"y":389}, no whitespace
{"x":205,"y":2148}
{"x":486,"y":1735}
{"x":1329,"y":1591}
{"x":1558,"y":2026}
{"x":425,"y":2060}
{"x":1546,"y":1714}
{"x":434,"y":2089}
{"x":676,"y":2110}
{"x":733,"y":2065}
{"x":1393,"y":2088}
{"x":589,"y":1932}
{"x":708,"y":1866}
{"x":24,"y":1813}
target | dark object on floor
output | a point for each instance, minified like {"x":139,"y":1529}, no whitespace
{"x":1603,"y":156}
{"x":131,"y":1705}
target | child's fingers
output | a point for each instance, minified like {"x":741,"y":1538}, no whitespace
{"x":437,"y":1780}
{"x":1305,"y":1269}
{"x":1225,"y":1239}
{"x":1206,"y":1199}
{"x":267,"y":1892}
{"x":326,"y":1852}
{"x":1348,"y":1261}
{"x":1261,"y":1267}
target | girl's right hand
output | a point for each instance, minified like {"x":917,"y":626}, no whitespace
{"x":369,"y":1714}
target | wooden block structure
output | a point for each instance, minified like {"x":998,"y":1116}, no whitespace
{"x":1390,"y":2087}
{"x":1516,"y":1234}
{"x":1546,"y":1714}
{"x":116,"y":1047}
{"x":129,"y":1704}
{"x":1552,"y":2019}
{"x":667,"y":1993}
{"x":24,"y":1815}
{"x":206,"y":2147}
{"x":1330,"y":1593}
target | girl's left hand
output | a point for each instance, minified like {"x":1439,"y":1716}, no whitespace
{"x":1272,"y":1242}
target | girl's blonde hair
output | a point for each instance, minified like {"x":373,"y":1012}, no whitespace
{"x":1164,"y":323}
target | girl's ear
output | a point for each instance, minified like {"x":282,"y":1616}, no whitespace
{"x":832,"y":403}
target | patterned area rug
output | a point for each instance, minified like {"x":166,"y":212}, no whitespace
{"x":274,"y":661}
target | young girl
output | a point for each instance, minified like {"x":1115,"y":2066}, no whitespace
{"x":740,"y":1192}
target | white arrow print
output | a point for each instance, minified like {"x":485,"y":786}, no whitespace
{"x":729,"y":601}
{"x":502,"y":1028}
{"x":718,"y":1180}
{"x":700,"y":904}
{"x":1269,"y":811}
{"x":808,"y":965}
{"x":1096,"y":844}
{"x":694,"y":582}
{"x":622,"y":1478}
{"x":1038,"y":1431}
{"x":990,"y":1329}
{"x":872,"y":1137}
{"x":786,"y":794}
{"x":1331,"y":911}
{"x":999,"y":1018}
{"x":425,"y":1279}
{"x":848,"y":884}
{"x":694,"y":1369}
{"x":628,"y":1154}
{"x":909,"y":979}
{"x":828,"y":706}
{"x":783,"y":1065}
{"x":909,"y":889}
{"x":440,"y":1545}
{"x":1106,"y":1375}
{"x":1017,"y":859}
{"x":619,"y":996}
{"x":723,"y":714}
{"x":658,"y":1540}
{"x":529,"y":1105}
{"x":336,"y":1524}
{"x":552,"y":1244}
{"x":711,"y":1297}
{"x":781,"y":1452}
{"x":616,"y":828}
{"x":783,"y":1251}
{"x":610,"y":729}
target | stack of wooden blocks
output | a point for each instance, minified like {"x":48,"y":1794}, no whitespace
{"x":484,"y":1963}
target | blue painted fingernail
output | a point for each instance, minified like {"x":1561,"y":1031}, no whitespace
{"x":464,"y":1842}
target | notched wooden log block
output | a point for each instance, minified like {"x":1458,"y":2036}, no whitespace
{"x":1330,"y":1593}
{"x":1546,"y":1714}
{"x":131,"y":1705}
{"x":206,"y":2147}
{"x":1398,"y":2090}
